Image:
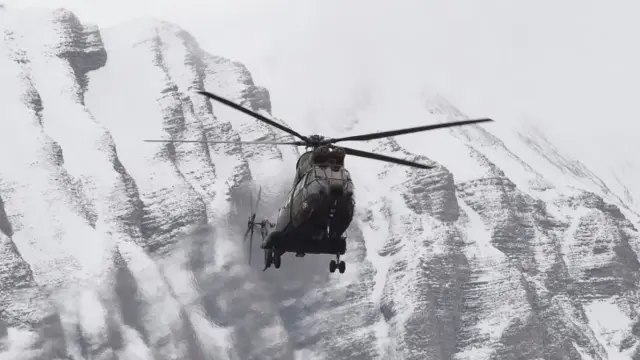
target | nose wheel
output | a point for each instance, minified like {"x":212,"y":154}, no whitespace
{"x":337,"y":264}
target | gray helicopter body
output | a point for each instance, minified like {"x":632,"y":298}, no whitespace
{"x":320,"y":205}
{"x":317,"y":210}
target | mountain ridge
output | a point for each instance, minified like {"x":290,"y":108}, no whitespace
{"x":431,"y":254}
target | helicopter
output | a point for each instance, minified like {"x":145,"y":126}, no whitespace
{"x":320,"y":205}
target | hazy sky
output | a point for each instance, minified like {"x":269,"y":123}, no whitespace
{"x":566,"y":64}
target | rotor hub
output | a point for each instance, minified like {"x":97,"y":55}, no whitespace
{"x":315,"y":141}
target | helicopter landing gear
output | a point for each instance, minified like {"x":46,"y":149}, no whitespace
{"x":276,"y":260}
{"x":271,"y":257}
{"x":337,"y":264}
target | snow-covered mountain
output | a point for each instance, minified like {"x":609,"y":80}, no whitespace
{"x":112,"y":248}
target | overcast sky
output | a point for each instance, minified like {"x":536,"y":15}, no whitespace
{"x":565,"y":64}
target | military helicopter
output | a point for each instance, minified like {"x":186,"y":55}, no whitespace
{"x":320,"y":205}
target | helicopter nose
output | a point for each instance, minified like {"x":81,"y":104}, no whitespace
{"x":336,"y":189}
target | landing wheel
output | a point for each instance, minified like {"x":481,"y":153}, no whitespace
{"x":342,"y":267}
{"x":276,"y":261}
{"x":268,"y":258}
{"x":332,"y":266}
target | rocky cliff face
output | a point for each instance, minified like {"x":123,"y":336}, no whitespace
{"x":114,"y":248}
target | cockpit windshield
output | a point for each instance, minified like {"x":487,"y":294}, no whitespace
{"x":323,"y":173}
{"x":324,"y":177}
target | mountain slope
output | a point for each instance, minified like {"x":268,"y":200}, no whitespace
{"x":116,"y":248}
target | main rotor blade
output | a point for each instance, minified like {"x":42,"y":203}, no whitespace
{"x":385,"y":134}
{"x":369,"y":155}
{"x":299,"y":143}
{"x":252,"y":114}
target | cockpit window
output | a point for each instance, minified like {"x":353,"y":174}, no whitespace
{"x":337,"y":175}
{"x":323,"y":173}
{"x":300,"y":186}
{"x":288,"y":199}
{"x":309,"y":178}
{"x":319,"y":173}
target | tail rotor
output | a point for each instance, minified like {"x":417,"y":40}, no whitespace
{"x":251,"y":222}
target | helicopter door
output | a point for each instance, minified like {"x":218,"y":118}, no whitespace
{"x":297,"y":199}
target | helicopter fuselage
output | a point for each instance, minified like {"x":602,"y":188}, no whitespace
{"x":318,"y":209}
{"x":320,"y":205}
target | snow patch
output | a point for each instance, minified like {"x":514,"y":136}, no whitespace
{"x":609,"y":323}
